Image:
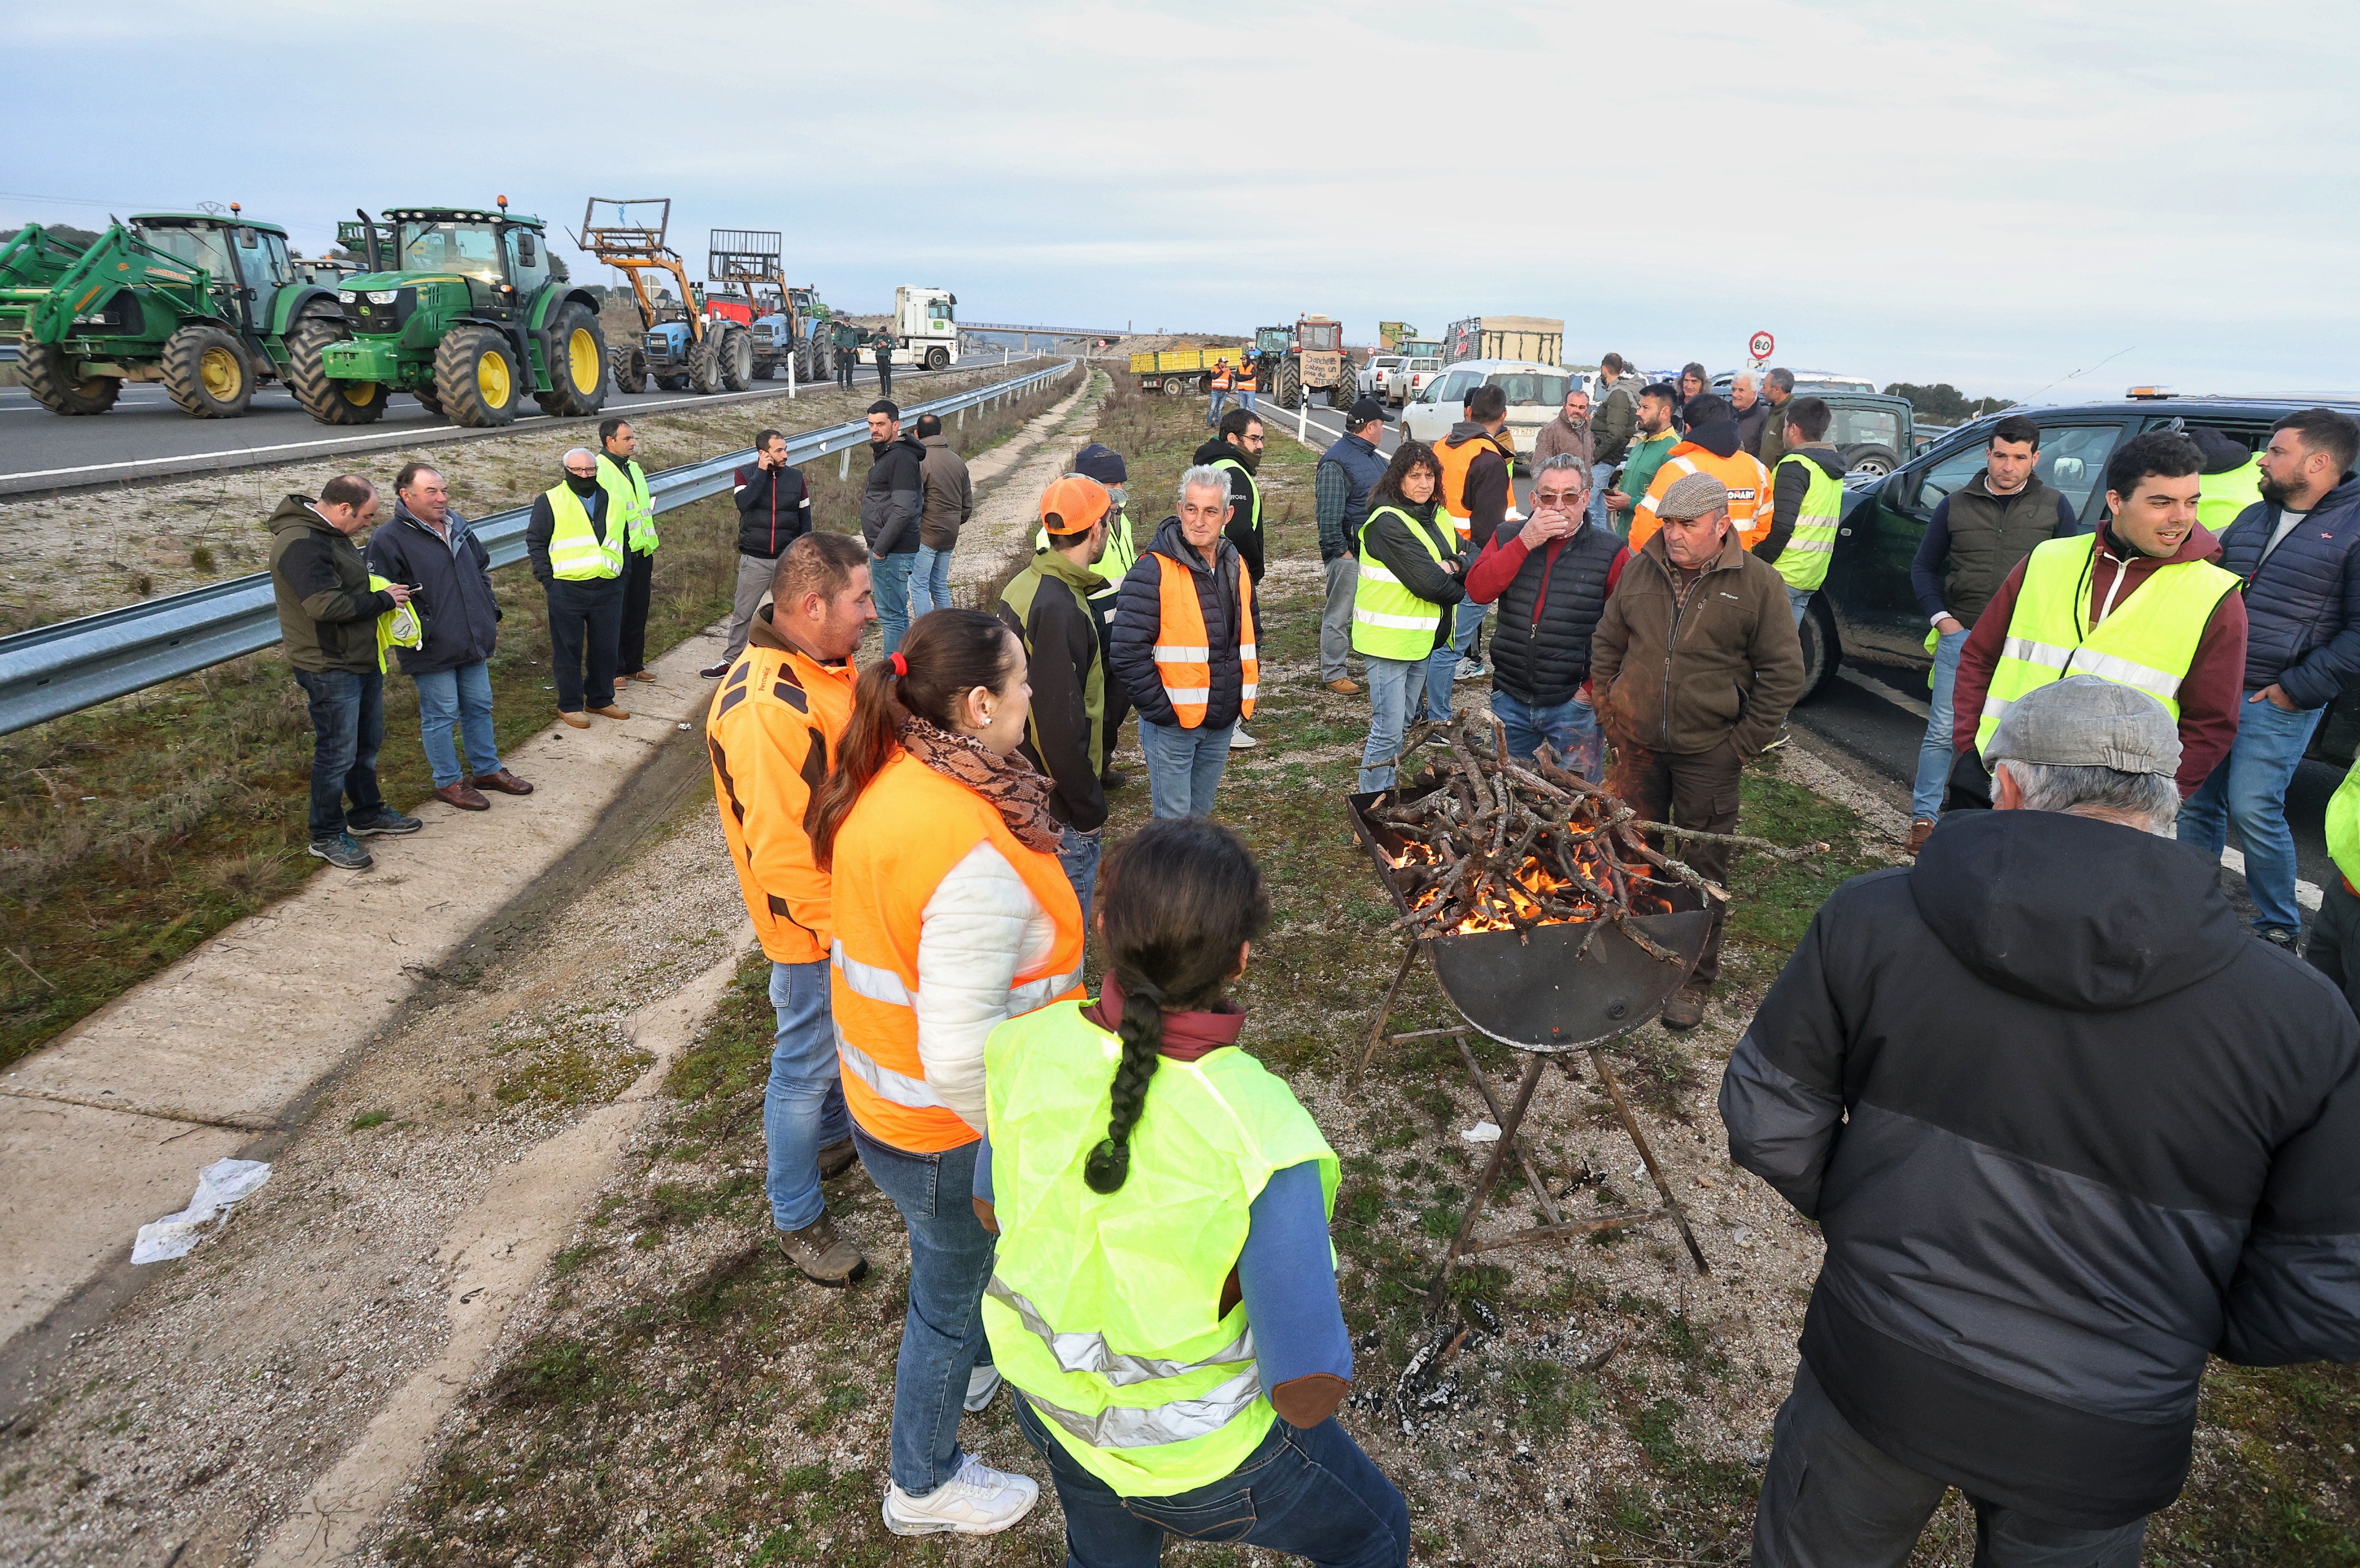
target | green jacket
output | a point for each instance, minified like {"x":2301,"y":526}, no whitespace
{"x":1774,"y":436}
{"x":1047,"y":605}
{"x":1615,"y":421}
{"x":1647,"y":455}
{"x":327,"y":612}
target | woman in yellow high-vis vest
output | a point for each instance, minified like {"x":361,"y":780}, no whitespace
{"x":951,"y":914}
{"x":1165,"y":1295}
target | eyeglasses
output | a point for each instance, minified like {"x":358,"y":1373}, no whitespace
{"x":1553,"y":497}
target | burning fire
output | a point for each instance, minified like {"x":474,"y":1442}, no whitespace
{"x":1530,"y":882}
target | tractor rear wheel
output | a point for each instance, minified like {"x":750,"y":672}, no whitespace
{"x":48,"y":377}
{"x":938,"y":358}
{"x":329,"y":401}
{"x":627,"y":368}
{"x":1287,"y":385}
{"x":427,"y":400}
{"x":765,"y":368}
{"x":477,"y":376}
{"x":206,"y":373}
{"x":705,"y":364}
{"x":576,"y":352}
{"x":737,"y":352}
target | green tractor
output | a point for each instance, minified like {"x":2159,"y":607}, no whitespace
{"x":210,"y":304}
{"x":464,"y":310}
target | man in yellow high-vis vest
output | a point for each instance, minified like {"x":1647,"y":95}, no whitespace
{"x":1806,"y":501}
{"x":576,"y":540}
{"x":2140,"y":603}
{"x":626,"y":483}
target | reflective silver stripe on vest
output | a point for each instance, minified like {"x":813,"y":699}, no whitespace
{"x":2146,"y":678}
{"x":1090,"y":1353}
{"x":1120,"y":1426}
{"x":868,"y":980}
{"x":1040,"y":993}
{"x":1798,"y":543}
{"x":2045,"y":654}
{"x":1401,"y":623}
{"x":1181,"y":653}
{"x":898,"y":1087}
{"x":1375,"y":573}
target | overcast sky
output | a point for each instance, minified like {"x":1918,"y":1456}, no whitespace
{"x":1995,"y":195}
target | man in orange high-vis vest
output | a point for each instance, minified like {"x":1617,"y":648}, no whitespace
{"x":1222,"y":379}
{"x":1182,"y":646}
{"x":773,"y":728}
{"x":1479,"y":491}
{"x":1712,"y":447}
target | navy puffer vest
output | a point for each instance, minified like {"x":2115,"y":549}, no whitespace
{"x":2295,"y":601}
{"x":1540,"y":655}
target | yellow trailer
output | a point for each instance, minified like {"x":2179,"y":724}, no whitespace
{"x":1182,"y":369}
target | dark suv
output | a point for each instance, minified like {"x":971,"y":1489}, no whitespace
{"x":1868,"y":613}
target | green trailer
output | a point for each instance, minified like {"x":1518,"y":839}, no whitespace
{"x":462,"y":307}
{"x":209,"y":304}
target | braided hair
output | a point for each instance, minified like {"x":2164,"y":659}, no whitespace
{"x":1178,"y":903}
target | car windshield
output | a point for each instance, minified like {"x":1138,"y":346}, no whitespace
{"x":1323,"y":339}
{"x":1528,"y":387}
{"x":1862,"y":426}
{"x":473,"y":249}
{"x":2072,"y":459}
{"x":197,"y":246}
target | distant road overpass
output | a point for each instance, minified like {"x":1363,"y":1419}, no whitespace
{"x":1053,"y":335}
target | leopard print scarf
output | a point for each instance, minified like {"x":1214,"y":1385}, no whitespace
{"x":1017,"y":790}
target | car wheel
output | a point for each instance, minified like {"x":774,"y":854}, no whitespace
{"x":1872,"y":459}
{"x":1822,"y":648}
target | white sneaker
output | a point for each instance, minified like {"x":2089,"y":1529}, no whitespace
{"x":1468,"y":670}
{"x":981,"y":1384}
{"x":1241,"y":741}
{"x":978,"y":1501}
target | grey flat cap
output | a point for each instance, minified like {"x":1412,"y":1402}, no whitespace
{"x":2084,"y":722}
{"x":1693,"y":495}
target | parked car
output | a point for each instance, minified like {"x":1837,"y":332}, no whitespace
{"x":1821,"y":381}
{"x":1536,"y":392}
{"x":1377,"y":372}
{"x":1868,"y":613}
{"x":1409,"y":379}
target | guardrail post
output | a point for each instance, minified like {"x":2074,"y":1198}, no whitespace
{"x":962,"y":418}
{"x":1302,"y":415}
{"x":791,"y":374}
{"x":844,"y":464}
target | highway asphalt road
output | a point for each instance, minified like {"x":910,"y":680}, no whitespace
{"x":1876,"y":714}
{"x":144,"y":436}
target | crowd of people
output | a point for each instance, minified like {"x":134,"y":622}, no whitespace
{"x":2066,"y":1127}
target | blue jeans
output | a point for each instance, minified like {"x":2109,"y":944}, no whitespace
{"x":460,"y":699}
{"x":1078,"y":851}
{"x":347,"y":729}
{"x":1442,"y":669}
{"x":802,"y":1104}
{"x":1183,"y":766}
{"x":888,"y":578}
{"x":1800,"y":600}
{"x":1934,"y":756}
{"x":942,"y":1329}
{"x":1600,"y":472}
{"x":1308,"y":1493}
{"x":1246,"y":401}
{"x":1393,"y":685}
{"x":1221,"y":401}
{"x":930,"y":581}
{"x":1570,"y":727}
{"x":2249,"y":788}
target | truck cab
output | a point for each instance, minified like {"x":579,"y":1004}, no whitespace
{"x":925,"y":323}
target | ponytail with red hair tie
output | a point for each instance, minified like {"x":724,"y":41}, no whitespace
{"x":900,"y":665}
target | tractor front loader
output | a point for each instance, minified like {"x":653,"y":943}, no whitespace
{"x":678,"y":347}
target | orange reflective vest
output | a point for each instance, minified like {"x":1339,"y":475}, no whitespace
{"x":771,"y":729}
{"x":1246,"y":382}
{"x":1456,"y":460}
{"x":900,"y":839}
{"x":1741,"y":472}
{"x":1183,"y":656}
{"x":1221,"y":377}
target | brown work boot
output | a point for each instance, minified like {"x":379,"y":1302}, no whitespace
{"x":612,"y":711}
{"x":647,"y":675}
{"x":463,"y":796}
{"x":576,"y":717}
{"x":1344,"y":686}
{"x":506,"y":782}
{"x":1686,"y":1009}
{"x":836,"y":1159}
{"x":823,"y":1256}
{"x":1919,"y":832}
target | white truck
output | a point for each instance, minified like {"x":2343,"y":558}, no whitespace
{"x":925,"y":327}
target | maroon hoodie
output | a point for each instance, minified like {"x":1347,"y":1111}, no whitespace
{"x":2209,"y":694}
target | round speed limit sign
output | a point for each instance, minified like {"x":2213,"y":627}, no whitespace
{"x":1760,"y":345}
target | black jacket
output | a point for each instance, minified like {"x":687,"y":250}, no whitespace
{"x":2067,"y":1127}
{"x":1220,"y":586}
{"x":1048,"y":606}
{"x":542,"y":524}
{"x":773,"y":510}
{"x":894,"y":498}
{"x":1490,"y":484}
{"x":1240,"y":529}
{"x":1788,"y":485}
{"x":450,"y":587}
{"x":2303,"y":605}
{"x":327,"y":612}
{"x":1540,"y":655}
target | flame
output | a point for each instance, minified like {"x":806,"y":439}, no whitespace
{"x":1530,"y":882}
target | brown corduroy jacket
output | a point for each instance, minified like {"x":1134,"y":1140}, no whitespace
{"x":1682,"y":675}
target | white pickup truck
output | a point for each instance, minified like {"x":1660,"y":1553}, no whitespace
{"x":1377,"y":373}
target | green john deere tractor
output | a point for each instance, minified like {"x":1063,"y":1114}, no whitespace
{"x":210,"y":304}
{"x":464,"y":310}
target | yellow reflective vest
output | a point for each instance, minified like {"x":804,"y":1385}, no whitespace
{"x":2146,"y":642}
{"x":576,"y":553}
{"x":1804,"y":562}
{"x":1389,"y":620}
{"x":626,"y":483}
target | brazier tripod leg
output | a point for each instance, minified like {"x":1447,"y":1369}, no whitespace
{"x":1523,"y":1155}
{"x":1646,"y":1155}
{"x":1385,"y":1015}
{"x":1492,"y":1167}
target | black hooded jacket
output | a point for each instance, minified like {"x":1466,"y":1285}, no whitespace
{"x":1243,"y":528}
{"x":2067,"y":1127}
{"x":1223,"y":588}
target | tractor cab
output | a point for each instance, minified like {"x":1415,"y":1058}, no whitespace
{"x":1317,"y":334}
{"x":247,"y":263}
{"x":500,"y":260}
{"x":1274,"y":340}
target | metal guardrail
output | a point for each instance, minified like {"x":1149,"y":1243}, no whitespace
{"x":62,"y":668}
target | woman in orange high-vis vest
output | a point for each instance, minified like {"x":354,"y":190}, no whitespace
{"x":951,"y":914}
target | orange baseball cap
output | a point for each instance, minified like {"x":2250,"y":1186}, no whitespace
{"x":1070,"y":504}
